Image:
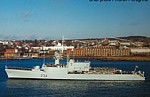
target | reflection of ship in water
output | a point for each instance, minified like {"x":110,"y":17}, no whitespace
{"x":73,"y":70}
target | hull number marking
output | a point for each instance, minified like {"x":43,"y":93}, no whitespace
{"x":43,"y":75}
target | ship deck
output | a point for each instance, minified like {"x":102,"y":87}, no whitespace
{"x":18,"y":68}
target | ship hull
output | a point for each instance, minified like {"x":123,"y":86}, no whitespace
{"x":29,"y":74}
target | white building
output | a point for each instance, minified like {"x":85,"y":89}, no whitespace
{"x":58,"y":47}
{"x":125,"y":43}
{"x":140,"y":50}
{"x":113,"y":42}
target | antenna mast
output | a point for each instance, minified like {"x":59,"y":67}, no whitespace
{"x":62,"y":44}
{"x":44,"y":55}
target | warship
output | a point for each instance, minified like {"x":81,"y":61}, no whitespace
{"x":72,"y":70}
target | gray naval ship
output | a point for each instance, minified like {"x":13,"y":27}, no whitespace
{"x":72,"y":70}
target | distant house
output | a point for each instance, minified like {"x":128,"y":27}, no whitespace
{"x":16,"y":42}
{"x":125,"y":44}
{"x":31,"y":55}
{"x":140,"y":50}
{"x":9,"y":53}
{"x":113,"y":42}
{"x":105,"y":42}
{"x":139,"y":44}
{"x":58,"y":47}
{"x":4,"y":42}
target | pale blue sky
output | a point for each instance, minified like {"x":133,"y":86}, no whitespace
{"x":51,"y":19}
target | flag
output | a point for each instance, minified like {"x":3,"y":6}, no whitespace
{"x":136,"y":66}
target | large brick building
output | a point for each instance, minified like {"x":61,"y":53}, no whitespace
{"x":99,"y":51}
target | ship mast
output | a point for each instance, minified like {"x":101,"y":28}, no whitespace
{"x":57,"y":53}
{"x":62,"y":44}
{"x":43,"y":56}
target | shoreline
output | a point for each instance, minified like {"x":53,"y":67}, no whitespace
{"x":103,"y":58}
{"x":121,"y":58}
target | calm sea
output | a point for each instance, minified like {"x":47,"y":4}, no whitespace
{"x":65,"y":88}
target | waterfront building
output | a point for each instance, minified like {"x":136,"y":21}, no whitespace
{"x":125,"y":43}
{"x":58,"y":47}
{"x":9,"y":53}
{"x":99,"y":51}
{"x":31,"y":55}
{"x":140,"y":50}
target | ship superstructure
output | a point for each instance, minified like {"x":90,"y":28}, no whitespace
{"x":72,"y":70}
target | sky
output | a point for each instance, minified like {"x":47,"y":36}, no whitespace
{"x":73,"y":19}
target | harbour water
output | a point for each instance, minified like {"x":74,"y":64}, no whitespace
{"x":66,"y":88}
